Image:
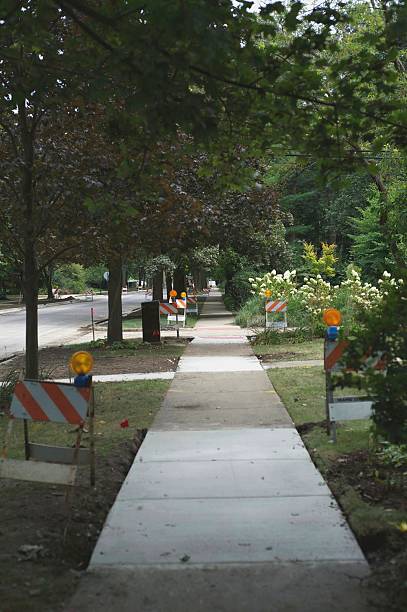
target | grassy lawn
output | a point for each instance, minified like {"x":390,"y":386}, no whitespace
{"x":136,"y":323}
{"x":136,"y":401}
{"x":290,"y":351}
{"x":372,"y":493}
{"x":303,"y":393}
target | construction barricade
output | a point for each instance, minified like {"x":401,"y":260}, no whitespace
{"x":52,"y":402}
{"x":274,"y":309}
{"x":192,"y":305}
{"x":342,"y":408}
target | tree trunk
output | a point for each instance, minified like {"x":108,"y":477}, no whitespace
{"x":158,"y":286}
{"x":30,"y":287}
{"x":114,"y":292}
{"x":48,"y":275}
{"x":30,"y":267}
{"x":179,"y":280}
{"x":168,"y":282}
{"x":202,"y":282}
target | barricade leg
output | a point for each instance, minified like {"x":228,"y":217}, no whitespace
{"x":328,"y":400}
{"x":7,"y":439}
{"x":92,"y":439}
{"x":26,"y":440}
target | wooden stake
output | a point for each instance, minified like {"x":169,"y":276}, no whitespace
{"x":7,"y":439}
{"x":92,"y":439}
{"x":75,"y":461}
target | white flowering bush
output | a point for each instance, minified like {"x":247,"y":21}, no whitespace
{"x":307,"y":302}
{"x":280,"y":285}
{"x":315,"y":295}
{"x":357,"y":297}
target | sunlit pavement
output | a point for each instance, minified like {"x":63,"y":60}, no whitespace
{"x":59,"y":323}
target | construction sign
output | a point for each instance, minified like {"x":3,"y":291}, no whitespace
{"x":168,"y":309}
{"x":275,"y":307}
{"x":333,"y":353}
{"x":35,"y":400}
{"x":181,"y":303}
{"x":192,"y":305}
{"x":52,"y":402}
{"x":352,"y":407}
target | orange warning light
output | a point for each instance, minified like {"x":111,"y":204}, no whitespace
{"x":81,"y":362}
{"x":332,"y":316}
{"x":173,"y":293}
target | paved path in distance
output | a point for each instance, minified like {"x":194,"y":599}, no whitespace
{"x":223,"y":509}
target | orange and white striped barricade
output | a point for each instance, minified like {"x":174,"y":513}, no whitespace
{"x":273,"y":308}
{"x":168,"y":309}
{"x":345,"y":408}
{"x":192,"y":304}
{"x":182,"y":305}
{"x":171,"y":310}
{"x":50,"y":402}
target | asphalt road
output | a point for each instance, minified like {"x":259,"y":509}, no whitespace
{"x":58,"y":323}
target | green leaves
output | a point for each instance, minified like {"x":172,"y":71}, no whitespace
{"x":291,"y":20}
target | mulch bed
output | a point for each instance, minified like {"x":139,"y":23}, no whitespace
{"x":287,"y":355}
{"x":54,"y":362}
{"x":45,"y":544}
{"x":375,"y":482}
{"x":383,"y":487}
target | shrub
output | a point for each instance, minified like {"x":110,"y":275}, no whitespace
{"x":315,"y":295}
{"x":280,"y":285}
{"x":7,"y":387}
{"x":381,"y":334}
{"x":252,"y":313}
{"x":239,"y":288}
{"x":94,"y":275}
{"x":292,"y":336}
{"x":323,"y":265}
{"x":70,"y":278}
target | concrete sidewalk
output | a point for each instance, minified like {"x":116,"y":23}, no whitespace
{"x":223,"y":509}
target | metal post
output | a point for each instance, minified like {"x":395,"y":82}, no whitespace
{"x":26,"y":440}
{"x":177,"y":323}
{"x":92,"y":438}
{"x":93,"y":324}
{"x":327,"y":391}
{"x":7,"y":439}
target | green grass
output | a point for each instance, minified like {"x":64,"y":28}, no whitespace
{"x":303,"y":392}
{"x":136,"y":323}
{"x":289,"y":351}
{"x":136,"y":401}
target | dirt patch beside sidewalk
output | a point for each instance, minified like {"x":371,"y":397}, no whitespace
{"x":127,"y":357}
{"x":45,"y":545}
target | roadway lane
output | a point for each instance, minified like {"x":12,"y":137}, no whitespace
{"x":58,"y":323}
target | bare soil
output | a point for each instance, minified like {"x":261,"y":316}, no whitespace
{"x":384,"y":488}
{"x":45,"y":543}
{"x":54,"y":360}
{"x":279,"y":356}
